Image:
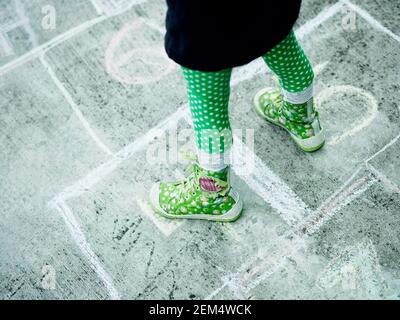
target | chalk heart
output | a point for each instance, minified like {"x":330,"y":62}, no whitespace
{"x":363,"y":114}
{"x":136,"y":56}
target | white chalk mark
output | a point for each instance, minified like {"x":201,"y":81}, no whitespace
{"x":12,"y":25}
{"x":153,"y":70}
{"x":375,"y":23}
{"x":312,"y":24}
{"x":97,"y":7}
{"x":80,"y":239}
{"x":360,"y":123}
{"x":320,"y":67}
{"x":390,"y":185}
{"x":5,"y":45}
{"x":273,"y":257}
{"x":271,"y":188}
{"x":109,"y":8}
{"x":22,"y":16}
{"x":355,"y":265}
{"x":167,"y":227}
{"x":39,"y":50}
{"x":337,"y":201}
{"x":75,"y":108}
{"x":383,"y":149}
{"x":345,"y":195}
{"x":99,"y":173}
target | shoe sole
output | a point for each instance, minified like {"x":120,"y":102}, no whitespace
{"x":231,"y":216}
{"x":308,"y":145}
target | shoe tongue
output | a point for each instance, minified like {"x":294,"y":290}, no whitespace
{"x":214,"y":181}
{"x":221,"y":175}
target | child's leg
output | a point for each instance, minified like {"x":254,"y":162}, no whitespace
{"x":206,"y":193}
{"x":208,"y":94}
{"x":296,"y":113}
{"x":289,"y":62}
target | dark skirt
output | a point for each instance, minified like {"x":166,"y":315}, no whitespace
{"x":211,"y":35}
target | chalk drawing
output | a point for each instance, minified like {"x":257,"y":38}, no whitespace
{"x":149,"y":63}
{"x":366,"y":118}
{"x":110,"y":7}
{"x":77,"y":234}
{"x":356,"y":269}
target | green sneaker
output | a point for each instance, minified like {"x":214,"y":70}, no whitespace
{"x":204,"y":195}
{"x":301,"y":121}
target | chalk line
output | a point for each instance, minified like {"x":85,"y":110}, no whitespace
{"x":390,"y":185}
{"x":336,"y":202}
{"x":19,"y":7}
{"x":167,"y":227}
{"x":13,"y":25}
{"x":360,"y":124}
{"x":99,"y":173}
{"x":74,"y":107}
{"x":294,"y":242}
{"x":84,"y":184}
{"x":109,"y":7}
{"x":379,"y":175}
{"x":273,"y":257}
{"x":5,"y":45}
{"x":97,"y":7}
{"x":113,"y":64}
{"x":383,"y":149}
{"x":39,"y":50}
{"x":375,"y":23}
{"x":269,"y":186}
{"x":80,"y":239}
{"x":324,"y":15}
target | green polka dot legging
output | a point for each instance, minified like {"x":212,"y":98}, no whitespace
{"x":209,"y":92}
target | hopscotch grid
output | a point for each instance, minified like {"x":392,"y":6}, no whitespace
{"x":84,"y":184}
{"x":337,"y":6}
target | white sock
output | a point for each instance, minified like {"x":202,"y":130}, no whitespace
{"x":299,"y":97}
{"x":213,"y":162}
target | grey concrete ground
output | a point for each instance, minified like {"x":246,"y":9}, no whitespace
{"x":88,"y":95}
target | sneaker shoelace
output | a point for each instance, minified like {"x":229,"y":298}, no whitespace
{"x":191,"y":183}
{"x":278,"y":100}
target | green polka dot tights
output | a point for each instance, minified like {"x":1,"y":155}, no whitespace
{"x":209,"y":92}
